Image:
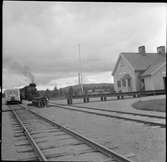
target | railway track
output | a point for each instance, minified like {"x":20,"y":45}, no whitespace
{"x":53,"y":142}
{"x":142,"y":118}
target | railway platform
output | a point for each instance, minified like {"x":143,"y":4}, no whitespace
{"x":124,"y":105}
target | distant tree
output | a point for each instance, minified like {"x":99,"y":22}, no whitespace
{"x":47,"y":93}
{"x":55,"y":88}
{"x":55,"y":91}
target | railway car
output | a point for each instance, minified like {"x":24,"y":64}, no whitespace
{"x":12,"y":96}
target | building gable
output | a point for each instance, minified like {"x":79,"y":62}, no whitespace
{"x":122,"y":59}
{"x":124,"y":76}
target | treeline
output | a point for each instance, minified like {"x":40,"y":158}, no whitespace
{"x":76,"y":90}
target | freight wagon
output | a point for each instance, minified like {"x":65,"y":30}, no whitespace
{"x":12,"y":96}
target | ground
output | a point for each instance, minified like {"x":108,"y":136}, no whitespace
{"x":151,"y":105}
{"x":143,"y":143}
{"x":114,"y":104}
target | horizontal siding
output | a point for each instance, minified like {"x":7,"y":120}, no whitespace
{"x":155,"y":82}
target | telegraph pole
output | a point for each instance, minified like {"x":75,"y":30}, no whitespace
{"x":80,"y":79}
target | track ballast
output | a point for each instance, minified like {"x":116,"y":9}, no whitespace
{"x":52,"y":141}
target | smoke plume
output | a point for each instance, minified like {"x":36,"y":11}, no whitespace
{"x":18,"y":68}
{"x":26,"y":72}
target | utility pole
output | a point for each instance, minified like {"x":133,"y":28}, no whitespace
{"x":80,"y":79}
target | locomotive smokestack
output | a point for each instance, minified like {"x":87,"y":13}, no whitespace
{"x":32,"y":85}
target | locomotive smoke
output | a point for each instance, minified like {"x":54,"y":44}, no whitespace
{"x":18,"y":68}
{"x":28,"y":74}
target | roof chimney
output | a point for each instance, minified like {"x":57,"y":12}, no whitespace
{"x":161,"y":50}
{"x":141,"y":50}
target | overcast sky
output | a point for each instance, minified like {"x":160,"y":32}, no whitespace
{"x":40,"y":39}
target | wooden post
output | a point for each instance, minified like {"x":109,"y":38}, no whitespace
{"x":68,"y":101}
{"x":38,"y":104}
{"x":41,"y":102}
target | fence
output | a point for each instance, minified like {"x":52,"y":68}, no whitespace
{"x":119,"y":95}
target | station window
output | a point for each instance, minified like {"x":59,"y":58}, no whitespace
{"x":124,"y":82}
{"x":119,"y":83}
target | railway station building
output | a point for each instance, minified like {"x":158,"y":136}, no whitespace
{"x":140,"y":71}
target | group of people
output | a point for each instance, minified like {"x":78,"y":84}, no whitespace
{"x":44,"y":102}
{"x":40,"y":102}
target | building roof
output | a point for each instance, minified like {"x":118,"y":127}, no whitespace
{"x":141,"y":62}
{"x":153,"y":68}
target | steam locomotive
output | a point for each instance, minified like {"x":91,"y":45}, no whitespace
{"x":29,"y":92}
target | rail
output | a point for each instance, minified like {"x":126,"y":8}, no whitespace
{"x":110,"y":153}
{"x":89,"y":142}
{"x":41,"y":156}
